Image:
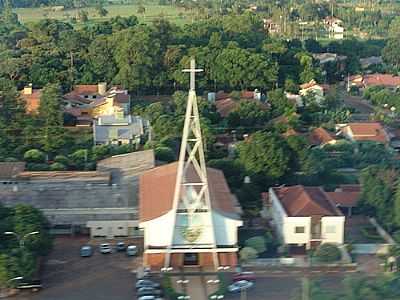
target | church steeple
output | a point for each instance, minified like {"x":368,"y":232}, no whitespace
{"x":191,"y":204}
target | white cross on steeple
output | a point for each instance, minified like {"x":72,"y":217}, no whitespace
{"x":192,"y":72}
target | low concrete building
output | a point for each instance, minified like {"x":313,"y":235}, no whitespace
{"x":359,"y":132}
{"x":100,"y":203}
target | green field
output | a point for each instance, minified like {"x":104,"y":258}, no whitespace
{"x":172,"y":13}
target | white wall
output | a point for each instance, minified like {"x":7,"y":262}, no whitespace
{"x":157,"y":232}
{"x":111,"y":229}
{"x":289,"y":227}
{"x":336,"y":223}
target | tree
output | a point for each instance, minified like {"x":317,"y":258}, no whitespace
{"x":164,"y":154}
{"x":247,"y":254}
{"x":248,"y":114}
{"x":328,"y":253}
{"x":83,"y":16}
{"x":141,"y":10}
{"x":101,"y":11}
{"x":51,"y":118}
{"x":265,"y":153}
{"x":257,"y":243}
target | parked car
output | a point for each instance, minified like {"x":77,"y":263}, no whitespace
{"x":105,"y":248}
{"x":146,"y":283}
{"x":249,"y":276}
{"x":120,"y":246}
{"x":86,"y":251}
{"x":240,"y":285}
{"x":150,"y":298}
{"x":131,"y":250}
{"x":148,"y":291}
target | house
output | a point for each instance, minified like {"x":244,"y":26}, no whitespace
{"x":32,"y":98}
{"x":82,"y":116}
{"x":363,"y":81}
{"x":157,"y":219}
{"x":370,"y":61}
{"x":272,"y":27}
{"x":118,"y":129}
{"x":295,"y":99}
{"x":97,"y":97}
{"x":335,"y":28}
{"x":226,"y":104}
{"x":321,"y":137}
{"x":312,"y":88}
{"x":357,"y":132}
{"x":305,"y":217}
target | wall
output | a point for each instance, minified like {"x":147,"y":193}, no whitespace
{"x":290,"y":236}
{"x":111,"y":228}
{"x":278,"y":213}
{"x":336,"y":237}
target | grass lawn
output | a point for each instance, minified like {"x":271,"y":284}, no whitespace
{"x":172,"y":13}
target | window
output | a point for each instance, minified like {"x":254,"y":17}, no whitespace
{"x":120,"y":228}
{"x":299,"y":229}
{"x":330,"y":229}
{"x":99,"y":228}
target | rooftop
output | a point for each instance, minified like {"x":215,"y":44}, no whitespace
{"x":157,"y":186}
{"x":301,"y":201}
{"x":320,"y":136}
{"x":373,"y":131}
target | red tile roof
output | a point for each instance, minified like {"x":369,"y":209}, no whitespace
{"x":319,"y":136}
{"x":373,"y":131}
{"x":157,"y":186}
{"x":386,"y":80}
{"x":228,"y":105}
{"x":301,"y":201}
{"x":344,"y":199}
{"x":32,"y":100}
{"x":86,"y":89}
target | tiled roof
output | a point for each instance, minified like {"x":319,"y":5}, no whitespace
{"x":344,"y":199}
{"x":228,"y":105}
{"x":9,"y":170}
{"x":373,"y":131}
{"x":386,"y":80}
{"x":319,"y":136}
{"x":157,"y":186}
{"x":86,"y":89}
{"x":301,"y":201}
{"x":32,"y":100}
{"x":308,"y":85}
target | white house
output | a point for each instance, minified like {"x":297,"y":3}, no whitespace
{"x":305,"y":217}
{"x":314,"y":89}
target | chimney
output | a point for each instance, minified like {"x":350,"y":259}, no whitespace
{"x":102,"y":88}
{"x":28,"y":90}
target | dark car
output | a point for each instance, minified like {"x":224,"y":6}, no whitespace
{"x":120,"y":246}
{"x":146,"y":283}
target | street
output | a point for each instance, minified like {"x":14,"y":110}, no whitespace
{"x":67,"y":276}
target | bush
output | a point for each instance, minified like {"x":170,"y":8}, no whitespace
{"x":57,"y":167}
{"x":79,"y":158}
{"x":62,"y":160}
{"x":164,"y":154}
{"x":257,"y":243}
{"x":248,"y":253}
{"x":34,"y":156}
{"x":328,"y":253}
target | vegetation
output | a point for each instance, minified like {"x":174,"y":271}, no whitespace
{"x":17,"y":260}
{"x":328,"y":253}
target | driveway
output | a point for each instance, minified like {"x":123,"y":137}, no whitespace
{"x":67,"y":276}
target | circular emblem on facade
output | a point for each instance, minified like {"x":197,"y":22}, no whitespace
{"x":191,"y":234}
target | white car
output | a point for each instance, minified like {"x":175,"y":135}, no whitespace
{"x":105,"y":248}
{"x":149,"y":298}
{"x":131,"y":250}
{"x":240,"y":285}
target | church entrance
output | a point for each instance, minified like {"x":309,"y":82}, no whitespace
{"x":191,"y":259}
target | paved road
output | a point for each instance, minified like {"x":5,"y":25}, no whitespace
{"x":360,"y":105}
{"x":67,"y":276}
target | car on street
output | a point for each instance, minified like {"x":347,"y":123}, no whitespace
{"x":86,"y":251}
{"x":146,"y":283}
{"x":105,"y":248}
{"x":150,"y":298}
{"x":148,"y":291}
{"x":238,"y":286}
{"x":120,"y":246}
{"x":249,"y":276}
{"x":131,"y":250}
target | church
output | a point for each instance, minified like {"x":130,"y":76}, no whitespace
{"x":186,"y":210}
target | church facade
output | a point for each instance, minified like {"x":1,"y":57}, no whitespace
{"x":191,"y":246}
